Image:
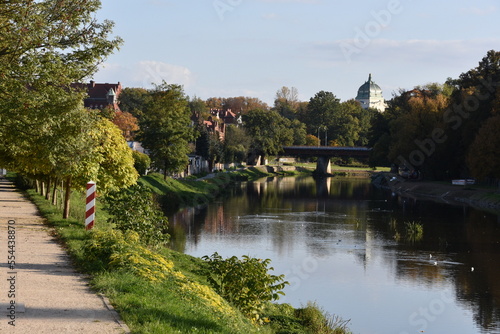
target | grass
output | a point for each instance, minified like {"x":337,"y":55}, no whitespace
{"x":414,"y":231}
{"x":194,"y":192}
{"x":146,"y":307}
{"x":180,"y":303}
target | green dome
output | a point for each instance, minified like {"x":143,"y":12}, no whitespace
{"x":369,"y":90}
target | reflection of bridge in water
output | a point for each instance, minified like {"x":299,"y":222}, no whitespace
{"x":324,"y":153}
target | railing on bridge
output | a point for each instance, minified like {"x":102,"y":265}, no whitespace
{"x":327,"y":151}
{"x":324,"y":153}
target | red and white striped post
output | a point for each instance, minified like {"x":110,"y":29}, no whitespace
{"x":90,"y":207}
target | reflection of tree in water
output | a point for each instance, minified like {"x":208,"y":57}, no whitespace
{"x":464,"y":239}
{"x":332,"y":209}
{"x":481,"y":287}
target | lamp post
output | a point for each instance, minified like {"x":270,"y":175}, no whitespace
{"x":319,"y":140}
{"x":324,"y":128}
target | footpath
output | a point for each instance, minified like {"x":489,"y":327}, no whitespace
{"x":40,"y":292}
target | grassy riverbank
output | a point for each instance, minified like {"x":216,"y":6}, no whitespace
{"x":157,"y":290}
{"x":191,"y":192}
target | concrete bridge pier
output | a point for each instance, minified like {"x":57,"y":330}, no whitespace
{"x":323,"y":166}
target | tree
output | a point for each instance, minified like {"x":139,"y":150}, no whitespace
{"x":299,"y":132}
{"x":269,"y":131}
{"x":198,"y":105}
{"x":79,"y":146}
{"x":209,"y":146}
{"x":473,"y":101}
{"x":142,"y":162}
{"x":286,"y":102}
{"x":127,"y":123}
{"x":320,"y":111}
{"x":412,"y":133}
{"x":483,"y":159}
{"x":110,"y":160}
{"x":133,"y":100}
{"x":45,"y":47}
{"x":214,"y":103}
{"x":203,"y":142}
{"x":312,"y":140}
{"x":165,"y":128}
{"x":99,"y":154}
{"x":236,"y":144}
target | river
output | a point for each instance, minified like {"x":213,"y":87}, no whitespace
{"x":345,"y":245}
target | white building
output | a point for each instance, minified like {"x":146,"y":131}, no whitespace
{"x":370,"y":96}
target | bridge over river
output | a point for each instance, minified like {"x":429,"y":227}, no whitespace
{"x":324,"y":153}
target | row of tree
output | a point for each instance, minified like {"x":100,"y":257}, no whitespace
{"x":45,"y":132}
{"x":445,"y":131}
{"x":439,"y":131}
{"x":263,"y":132}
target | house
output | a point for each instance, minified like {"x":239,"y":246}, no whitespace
{"x":214,"y":125}
{"x":101,"y":95}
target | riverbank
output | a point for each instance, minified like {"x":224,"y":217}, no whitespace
{"x":157,"y":290}
{"x":480,"y":197}
{"x":173,"y":194}
{"x":195,"y":191}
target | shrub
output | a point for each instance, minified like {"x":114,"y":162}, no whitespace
{"x":142,"y":162}
{"x":114,"y":249}
{"x":134,"y":209}
{"x":245,"y":283}
{"x":320,"y":322}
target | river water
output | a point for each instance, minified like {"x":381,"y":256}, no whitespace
{"x":345,"y":245}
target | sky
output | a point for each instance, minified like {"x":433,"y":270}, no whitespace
{"x":226,"y":48}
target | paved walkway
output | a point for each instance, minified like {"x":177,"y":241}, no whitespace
{"x":48,"y":295}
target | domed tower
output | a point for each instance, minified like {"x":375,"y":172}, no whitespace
{"x":370,"y":96}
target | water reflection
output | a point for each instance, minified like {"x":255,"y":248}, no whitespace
{"x":337,"y":241}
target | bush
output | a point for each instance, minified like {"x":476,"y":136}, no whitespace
{"x":320,"y":322}
{"x":245,"y":283}
{"x":133,"y":209}
{"x":112,"y":249}
{"x":142,"y":162}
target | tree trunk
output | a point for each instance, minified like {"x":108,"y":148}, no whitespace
{"x":67,"y":194}
{"x":37,"y":186}
{"x":54,"y":193}
{"x":47,"y":191}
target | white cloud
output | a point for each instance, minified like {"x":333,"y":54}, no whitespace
{"x":269,"y":16}
{"x":416,"y":52}
{"x":145,"y":74}
{"x":296,"y":1}
{"x":479,"y":11}
{"x":154,"y":72}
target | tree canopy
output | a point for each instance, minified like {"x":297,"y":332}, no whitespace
{"x":46,"y":47}
{"x":443,"y":131}
{"x":165,"y":129}
{"x":269,"y":131}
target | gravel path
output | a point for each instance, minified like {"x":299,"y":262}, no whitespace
{"x":41,"y":292}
